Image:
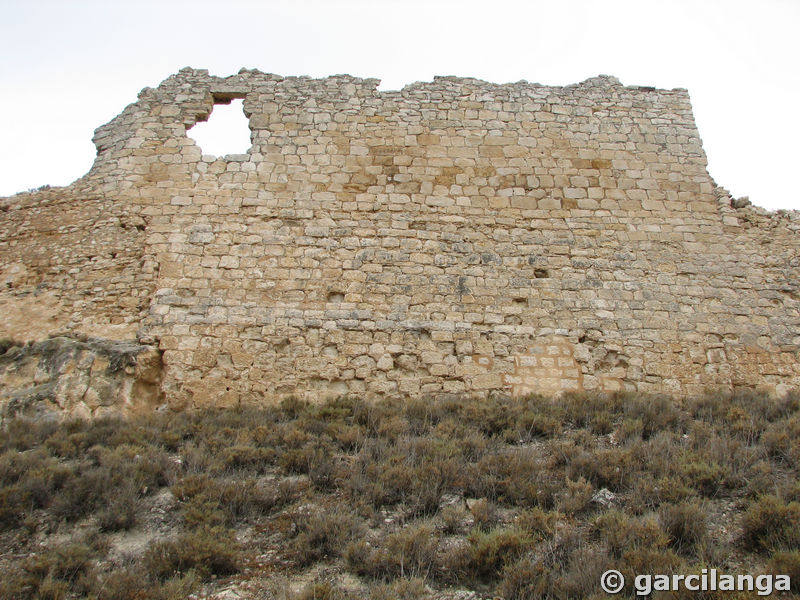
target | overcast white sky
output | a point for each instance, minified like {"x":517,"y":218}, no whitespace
{"x":67,"y":67}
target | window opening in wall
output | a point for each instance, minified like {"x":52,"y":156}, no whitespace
{"x":225,"y":131}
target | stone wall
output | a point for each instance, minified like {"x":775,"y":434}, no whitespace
{"x":71,"y":259}
{"x":453,"y":237}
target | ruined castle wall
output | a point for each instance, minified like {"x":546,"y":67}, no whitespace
{"x":71,"y":259}
{"x":453,"y":237}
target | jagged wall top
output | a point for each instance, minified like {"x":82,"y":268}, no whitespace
{"x":193,"y":92}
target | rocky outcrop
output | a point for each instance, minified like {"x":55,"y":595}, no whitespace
{"x":65,"y":377}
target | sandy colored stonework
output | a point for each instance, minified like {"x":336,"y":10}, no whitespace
{"x":454,"y":237}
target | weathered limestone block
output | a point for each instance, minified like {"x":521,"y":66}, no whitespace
{"x":78,"y":377}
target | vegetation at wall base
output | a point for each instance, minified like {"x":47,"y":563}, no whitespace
{"x":521,"y":499}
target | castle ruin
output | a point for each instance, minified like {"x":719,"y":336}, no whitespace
{"x":454,"y":237}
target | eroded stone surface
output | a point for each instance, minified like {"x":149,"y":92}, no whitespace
{"x":453,"y":237}
{"x":78,"y":378}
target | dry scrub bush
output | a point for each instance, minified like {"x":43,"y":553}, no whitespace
{"x":527,"y":579}
{"x":622,"y":533}
{"x":215,"y":501}
{"x":782,"y":441}
{"x":786,"y":563}
{"x":454,"y":517}
{"x":324,"y":534}
{"x":484,"y":514}
{"x":129,"y":584}
{"x":610,"y":468}
{"x":54,"y":573}
{"x":516,"y":476}
{"x":400,"y":589}
{"x":206,"y":551}
{"x":576,"y":496}
{"x":408,"y":553}
{"x":524,"y":456}
{"x":322,"y":590}
{"x":492,"y":551}
{"x":655,"y":413}
{"x":538,"y":522}
{"x":686,"y":525}
{"x":770,"y":524}
{"x":121,"y":511}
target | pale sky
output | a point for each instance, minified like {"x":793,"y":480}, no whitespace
{"x":67,"y":67}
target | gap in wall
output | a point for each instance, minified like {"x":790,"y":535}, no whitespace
{"x":227,"y":130}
